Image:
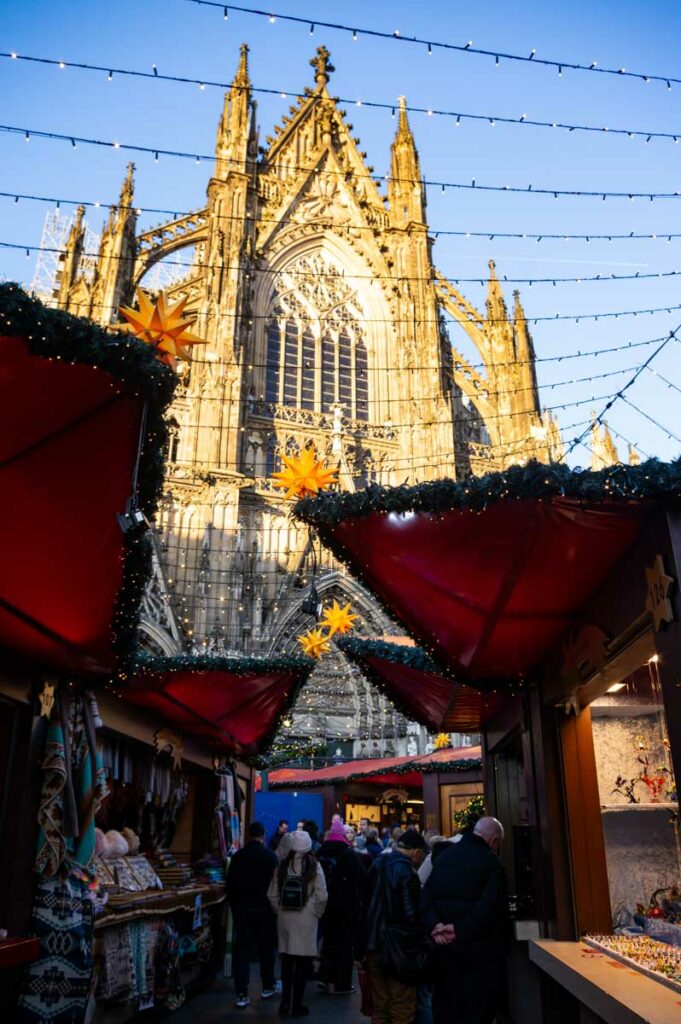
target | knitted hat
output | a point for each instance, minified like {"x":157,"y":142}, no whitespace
{"x":411,"y":840}
{"x":300,"y":841}
{"x":337,"y":832}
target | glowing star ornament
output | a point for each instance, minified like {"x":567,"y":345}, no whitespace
{"x":442,"y":741}
{"x":161,"y":326}
{"x":338,"y":620}
{"x":314,"y":643}
{"x":658,"y":602}
{"x":304,"y":475}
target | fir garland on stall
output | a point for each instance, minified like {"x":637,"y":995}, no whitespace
{"x":414,"y":765}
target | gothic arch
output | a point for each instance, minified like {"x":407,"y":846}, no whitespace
{"x":355,"y":271}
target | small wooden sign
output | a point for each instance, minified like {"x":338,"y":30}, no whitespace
{"x":657,"y":598}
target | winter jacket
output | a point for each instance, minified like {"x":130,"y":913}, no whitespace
{"x":344,"y":875}
{"x":374,"y":848}
{"x":297,"y":929}
{"x":249,"y":877}
{"x":467,"y":888}
{"x":396,"y":871}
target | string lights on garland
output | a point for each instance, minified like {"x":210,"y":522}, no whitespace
{"x":530,"y":189}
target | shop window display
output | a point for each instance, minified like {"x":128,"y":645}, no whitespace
{"x":639,"y":811}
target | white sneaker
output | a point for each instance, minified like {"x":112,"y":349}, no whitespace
{"x":267,"y":993}
{"x":242,"y":1002}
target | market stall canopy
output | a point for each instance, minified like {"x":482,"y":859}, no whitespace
{"x":383,"y":771}
{"x":487,"y":573}
{"x":419,"y":688}
{"x":235,"y":703}
{"x":71,"y":411}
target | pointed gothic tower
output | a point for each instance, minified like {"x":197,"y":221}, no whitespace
{"x":114,"y":273}
{"x":70,"y":260}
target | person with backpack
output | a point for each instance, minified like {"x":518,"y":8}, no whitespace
{"x":298,"y":896}
{"x":345,"y":877}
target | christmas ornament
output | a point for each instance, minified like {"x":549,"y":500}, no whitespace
{"x":314,"y":643}
{"x":338,"y":620}
{"x":46,"y":699}
{"x":657,"y":600}
{"x":161,"y":326}
{"x":304,"y":475}
{"x":442,"y":741}
{"x":164,"y":739}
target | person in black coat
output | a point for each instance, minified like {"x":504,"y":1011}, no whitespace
{"x":248,"y":879}
{"x":345,"y":877}
{"x":391,"y":907}
{"x":464,"y":906}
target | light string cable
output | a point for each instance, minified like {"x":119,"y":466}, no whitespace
{"x":490,"y":236}
{"x":621,"y":393}
{"x":452,"y":115}
{"x":346,"y":175}
{"x":651,"y":419}
{"x":304,"y":275}
{"x":429,"y":45}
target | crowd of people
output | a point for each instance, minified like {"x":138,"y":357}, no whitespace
{"x":424,"y":919}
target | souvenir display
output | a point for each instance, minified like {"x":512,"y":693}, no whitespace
{"x":657,"y":959}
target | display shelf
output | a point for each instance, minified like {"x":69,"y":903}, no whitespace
{"x":630,"y":962}
{"x":625,"y":808}
{"x":157,"y":904}
{"x":624,"y":710}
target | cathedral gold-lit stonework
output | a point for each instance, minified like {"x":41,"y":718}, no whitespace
{"x":324,"y":317}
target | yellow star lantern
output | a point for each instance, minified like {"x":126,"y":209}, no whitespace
{"x":337,"y":619}
{"x":161,"y":326}
{"x":442,"y":741}
{"x":314,"y":643}
{"x":304,"y":474}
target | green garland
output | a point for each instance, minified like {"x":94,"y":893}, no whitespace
{"x":654,"y":480}
{"x":468,"y":765}
{"x":245,"y":666}
{"x":359,"y":650}
{"x":52,"y":334}
{"x":470,"y":814}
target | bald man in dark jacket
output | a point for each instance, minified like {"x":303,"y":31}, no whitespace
{"x":464,"y":906}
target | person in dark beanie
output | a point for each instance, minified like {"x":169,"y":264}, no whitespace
{"x":392,"y":938}
{"x":344,"y":876}
{"x":248,"y":879}
{"x":465,"y":911}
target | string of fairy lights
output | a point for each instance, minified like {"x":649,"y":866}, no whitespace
{"x":457,"y":116}
{"x":220,"y":584}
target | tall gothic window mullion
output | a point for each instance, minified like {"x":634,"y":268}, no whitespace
{"x":328,"y":372}
{"x":307,"y":389}
{"x":361,"y":380}
{"x":291,"y":363}
{"x":345,"y":371}
{"x":272,"y":363}
{"x":282,"y":360}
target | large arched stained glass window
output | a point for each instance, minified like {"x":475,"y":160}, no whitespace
{"x":308,"y":374}
{"x":291,"y":364}
{"x":361,"y":381}
{"x":328,"y":373}
{"x":345,"y":371}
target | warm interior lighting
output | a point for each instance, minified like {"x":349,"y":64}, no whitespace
{"x":615,"y":688}
{"x":654,"y":660}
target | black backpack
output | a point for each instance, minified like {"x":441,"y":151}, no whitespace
{"x":292,"y":895}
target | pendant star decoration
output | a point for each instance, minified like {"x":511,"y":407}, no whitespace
{"x":442,"y":741}
{"x":46,"y":698}
{"x":337,"y":619}
{"x":166,"y":740}
{"x":162,"y":326}
{"x":304,"y":475}
{"x":314,"y":643}
{"x":657,"y":600}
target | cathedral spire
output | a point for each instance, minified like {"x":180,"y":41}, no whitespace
{"x":322,"y":66}
{"x":233,"y":131}
{"x":128,"y":187}
{"x":405,"y":188}
{"x":603,"y":448}
{"x":524,"y":352}
{"x":496,"y":307}
{"x":70,"y":261}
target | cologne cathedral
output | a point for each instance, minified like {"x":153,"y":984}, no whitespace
{"x":326,"y":321}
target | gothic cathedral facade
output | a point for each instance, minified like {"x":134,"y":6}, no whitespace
{"x":324,"y":317}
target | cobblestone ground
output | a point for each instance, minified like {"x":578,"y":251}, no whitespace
{"x":216,"y":1004}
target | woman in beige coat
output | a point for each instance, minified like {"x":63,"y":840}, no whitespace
{"x":297,"y":928}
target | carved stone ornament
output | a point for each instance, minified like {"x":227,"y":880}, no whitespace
{"x":165,"y":740}
{"x":657,"y":598}
{"x":46,"y":699}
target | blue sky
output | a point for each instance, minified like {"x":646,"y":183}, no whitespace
{"x":184,"y":39}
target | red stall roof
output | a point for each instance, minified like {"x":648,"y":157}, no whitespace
{"x":487,"y":574}
{"x":419,"y":687}
{"x":236,"y":703}
{"x":384,"y":771}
